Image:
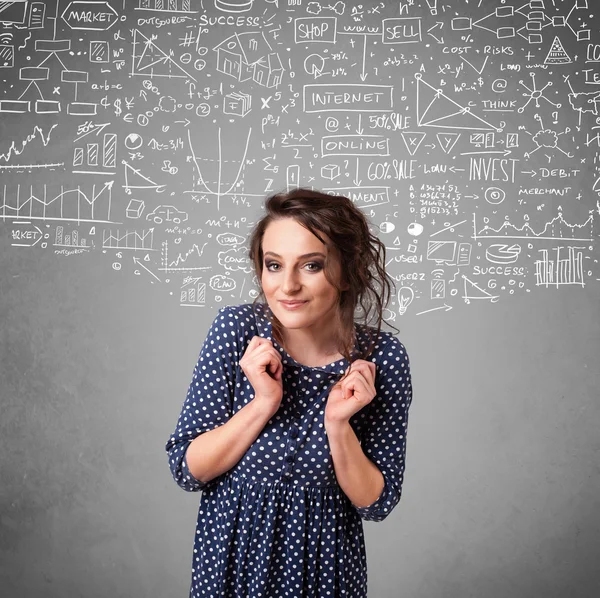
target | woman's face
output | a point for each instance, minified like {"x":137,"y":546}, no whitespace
{"x":290,"y":276}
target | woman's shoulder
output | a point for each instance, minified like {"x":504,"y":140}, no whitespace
{"x":386,"y":344}
{"x":243,"y":316}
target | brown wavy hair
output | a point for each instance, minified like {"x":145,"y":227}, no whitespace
{"x":361,"y":255}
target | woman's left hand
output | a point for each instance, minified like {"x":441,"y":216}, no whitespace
{"x":352,"y":393}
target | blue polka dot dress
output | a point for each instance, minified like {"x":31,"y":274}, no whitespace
{"x":278,"y":524}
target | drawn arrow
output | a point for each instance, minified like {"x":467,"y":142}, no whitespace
{"x":439,"y":24}
{"x":363,"y":75}
{"x":356,"y":180}
{"x":139,"y":263}
{"x":445,"y":307}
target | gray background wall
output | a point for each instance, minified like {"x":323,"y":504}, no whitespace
{"x":99,"y":337}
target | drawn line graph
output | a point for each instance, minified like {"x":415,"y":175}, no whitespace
{"x":64,"y":204}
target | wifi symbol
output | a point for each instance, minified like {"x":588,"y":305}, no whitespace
{"x":5,"y":38}
{"x":438,"y":273}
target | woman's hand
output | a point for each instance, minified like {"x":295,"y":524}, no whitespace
{"x":351,"y":393}
{"x":263,"y":367}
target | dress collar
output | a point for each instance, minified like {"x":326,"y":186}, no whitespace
{"x":262,"y":315}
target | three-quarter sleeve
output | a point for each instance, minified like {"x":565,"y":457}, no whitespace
{"x":383,"y":439}
{"x":209,"y":400}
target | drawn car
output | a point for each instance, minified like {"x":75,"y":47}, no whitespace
{"x":167,"y":214}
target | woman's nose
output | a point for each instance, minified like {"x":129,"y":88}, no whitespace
{"x":290,"y":282}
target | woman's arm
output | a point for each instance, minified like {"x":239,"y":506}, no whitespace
{"x":217,"y":451}
{"x":357,"y":475}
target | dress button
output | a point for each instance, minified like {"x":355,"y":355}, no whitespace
{"x":289,"y":458}
{"x":293,"y":432}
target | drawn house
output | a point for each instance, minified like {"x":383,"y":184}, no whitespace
{"x":249,"y":56}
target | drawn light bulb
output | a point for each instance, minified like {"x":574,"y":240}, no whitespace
{"x":405,"y":297}
{"x":432,"y":6}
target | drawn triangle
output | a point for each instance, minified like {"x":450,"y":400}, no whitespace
{"x":151,"y":61}
{"x":134,"y":179}
{"x":439,"y":108}
{"x":557,"y":54}
{"x":447,"y":140}
{"x":478,"y":292}
{"x":412,"y":140}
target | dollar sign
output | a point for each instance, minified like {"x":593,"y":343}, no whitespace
{"x":118,"y":107}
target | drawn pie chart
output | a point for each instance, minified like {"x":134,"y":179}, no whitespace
{"x":133,"y":141}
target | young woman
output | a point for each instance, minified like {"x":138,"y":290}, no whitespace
{"x":294,"y":425}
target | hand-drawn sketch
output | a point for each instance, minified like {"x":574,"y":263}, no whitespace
{"x":469,"y":133}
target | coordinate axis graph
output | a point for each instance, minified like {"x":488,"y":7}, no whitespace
{"x":202,"y":178}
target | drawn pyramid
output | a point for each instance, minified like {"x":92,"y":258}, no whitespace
{"x":557,"y":54}
{"x":149,"y":60}
{"x":436,"y":109}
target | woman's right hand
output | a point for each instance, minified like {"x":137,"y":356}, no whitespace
{"x":263,"y":367}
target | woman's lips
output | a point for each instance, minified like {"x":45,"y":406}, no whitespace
{"x":293,"y":305}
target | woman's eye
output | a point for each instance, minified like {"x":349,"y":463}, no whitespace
{"x":314,"y":266}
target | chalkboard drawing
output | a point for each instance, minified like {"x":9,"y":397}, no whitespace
{"x":7,"y":51}
{"x":495,"y":195}
{"x":566,"y":270}
{"x":436,"y":109}
{"x":72,"y":240}
{"x":97,"y":15}
{"x":249,"y":56}
{"x":179,"y":263}
{"x":473,"y":291}
{"x":412,"y":140}
{"x":134,"y":208}
{"x":62,"y":204}
{"x":584,"y":101}
{"x":314,"y":65}
{"x":13,"y":12}
{"x":36,"y":15}
{"x":193,"y":292}
{"x":134,"y":179}
{"x":151,"y":61}
{"x":330,"y":171}
{"x":99,"y":51}
{"x":535,"y":94}
{"x":447,"y":141}
{"x":234,"y":5}
{"x":405,"y":298}
{"x":133,"y":141}
{"x":432,"y":4}
{"x":90,"y":154}
{"x":221,"y":163}
{"x":237,"y":103}
{"x":547,"y":138}
{"x":315,"y":8}
{"x":438,"y":284}
{"x":557,"y":228}
{"x":165,"y":5}
{"x":502,"y":253}
{"x":441,"y":251}
{"x":557,"y":54}
{"x":167,"y":214}
{"x":292,"y":176}
{"x":130,"y":240}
